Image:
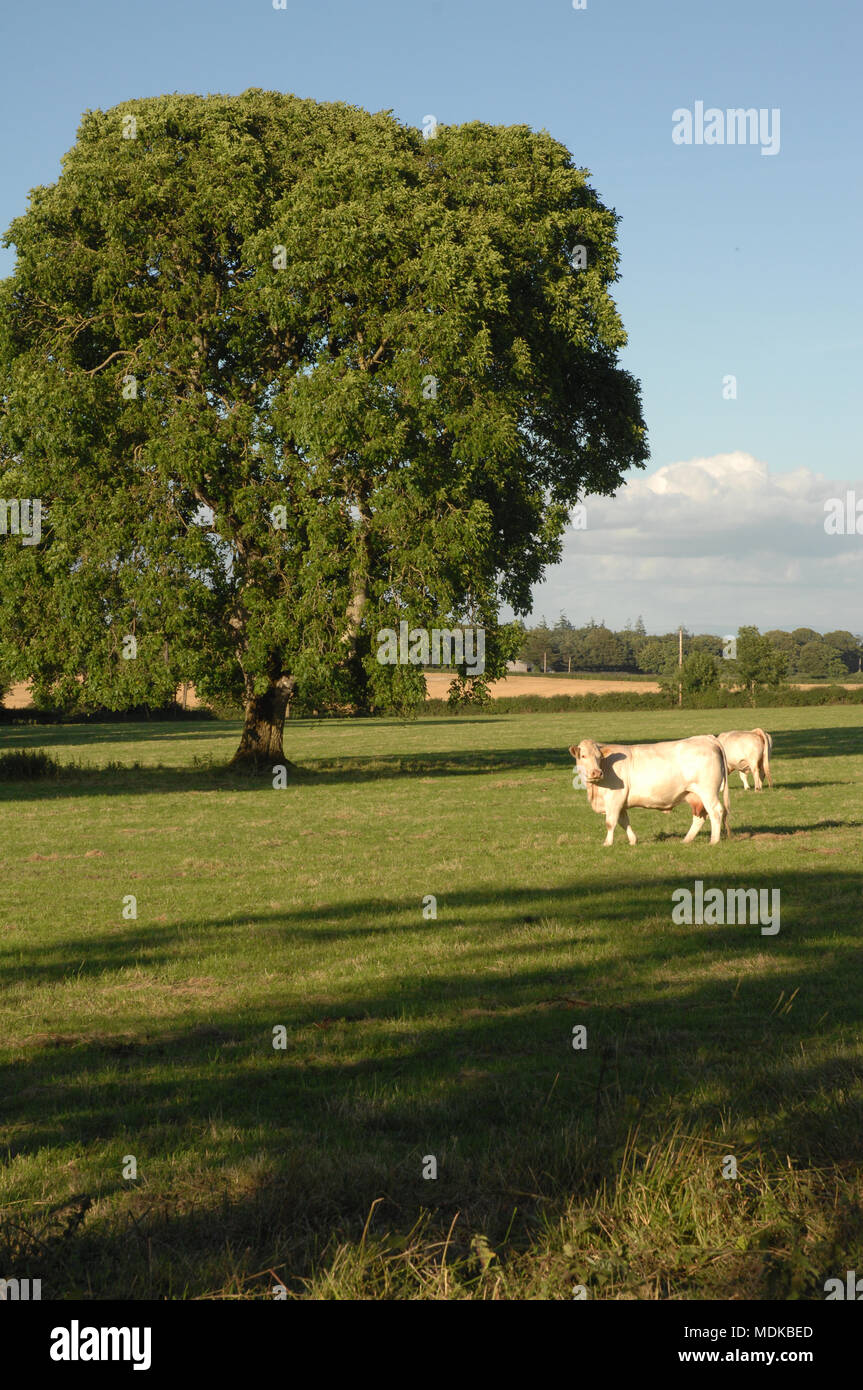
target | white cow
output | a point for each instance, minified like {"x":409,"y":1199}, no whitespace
{"x":656,"y":776}
{"x":748,"y":751}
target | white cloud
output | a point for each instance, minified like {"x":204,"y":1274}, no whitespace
{"x":712,"y":543}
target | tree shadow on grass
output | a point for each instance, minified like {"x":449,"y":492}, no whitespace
{"x":784,"y":786}
{"x":834,"y":742}
{"x":337,"y":770}
{"x":617,"y":901}
{"x":743,"y":830}
{"x":144,"y":731}
{"x":515,"y":1121}
{"x":474,"y":1065}
{"x":320,"y":772}
{"x":51,"y":736}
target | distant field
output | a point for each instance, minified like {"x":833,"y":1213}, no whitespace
{"x":411,"y":1038}
{"x":20,"y":696}
{"x":438,"y":683}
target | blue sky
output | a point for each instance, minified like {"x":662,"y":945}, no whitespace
{"x":733,"y":262}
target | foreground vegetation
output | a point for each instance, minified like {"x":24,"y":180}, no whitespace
{"x":410,"y":1037}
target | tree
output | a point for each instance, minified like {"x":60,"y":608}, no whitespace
{"x":286,"y":373}
{"x":820,"y":659}
{"x":848,"y":647}
{"x":657,"y":656}
{"x":602,"y":650}
{"x":566,"y":639}
{"x":699,"y":673}
{"x":630,"y":641}
{"x":785,"y":642}
{"x":706,"y":642}
{"x":539,"y":647}
{"x":758,"y":663}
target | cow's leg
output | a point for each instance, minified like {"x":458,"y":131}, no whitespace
{"x":716,"y":812}
{"x":756,"y":777}
{"x":614,"y":810}
{"x":743,"y":780}
{"x":696,"y":805}
{"x":705,"y":804}
{"x":623,"y":822}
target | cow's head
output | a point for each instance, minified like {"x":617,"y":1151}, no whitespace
{"x":588,"y":759}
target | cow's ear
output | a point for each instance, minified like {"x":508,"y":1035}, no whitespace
{"x":574,"y":751}
{"x":605,"y":749}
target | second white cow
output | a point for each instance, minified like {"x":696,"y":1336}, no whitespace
{"x":748,"y":750}
{"x":656,"y":776}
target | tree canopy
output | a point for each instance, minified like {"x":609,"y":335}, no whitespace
{"x":284,"y":373}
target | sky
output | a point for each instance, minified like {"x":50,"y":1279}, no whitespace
{"x":736,"y":262}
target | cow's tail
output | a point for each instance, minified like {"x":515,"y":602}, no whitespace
{"x":767,"y":744}
{"x":726,"y":777}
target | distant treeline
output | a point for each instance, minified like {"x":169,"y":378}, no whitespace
{"x":802,"y":654}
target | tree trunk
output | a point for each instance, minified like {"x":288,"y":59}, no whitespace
{"x":353,"y":660}
{"x":261,"y":741}
{"x":354,"y":616}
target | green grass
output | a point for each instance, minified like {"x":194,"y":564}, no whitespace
{"x":409,"y":1037}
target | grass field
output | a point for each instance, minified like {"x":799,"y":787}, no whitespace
{"x":409,"y":1037}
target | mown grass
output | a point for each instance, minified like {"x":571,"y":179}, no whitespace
{"x":409,"y":1037}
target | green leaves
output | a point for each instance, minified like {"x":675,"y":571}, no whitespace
{"x":757,"y":662}
{"x":227,"y":305}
